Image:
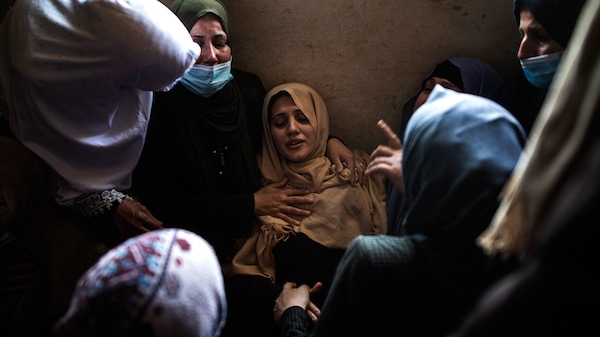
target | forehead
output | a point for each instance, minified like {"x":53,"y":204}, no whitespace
{"x":208,"y":24}
{"x":282,"y":102}
{"x":526,"y":19}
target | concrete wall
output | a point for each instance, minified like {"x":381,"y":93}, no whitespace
{"x":367,"y":57}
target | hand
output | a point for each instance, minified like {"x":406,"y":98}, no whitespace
{"x":281,"y":202}
{"x":293,"y":295}
{"x":133,"y":218}
{"x":387,"y":159}
{"x":342,"y":157}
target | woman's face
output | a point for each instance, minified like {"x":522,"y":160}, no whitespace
{"x":535,"y":41}
{"x":429,"y":84}
{"x":209,"y":34}
{"x":293,"y":136}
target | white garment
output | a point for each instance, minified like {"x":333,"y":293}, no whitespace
{"x":78,"y":77}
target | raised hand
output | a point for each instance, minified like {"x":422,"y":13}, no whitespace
{"x":387,"y":159}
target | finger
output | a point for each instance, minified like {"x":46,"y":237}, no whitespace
{"x":312,"y":316}
{"x":339,"y":164}
{"x":314,"y":310}
{"x":289,"y":285}
{"x":316,"y":288}
{"x":382,"y":151}
{"x":296,"y":192}
{"x":390,"y":135}
{"x":361,"y":166}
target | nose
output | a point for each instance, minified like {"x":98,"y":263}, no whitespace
{"x":292,"y":127}
{"x":208,"y":55}
{"x":526,"y":49}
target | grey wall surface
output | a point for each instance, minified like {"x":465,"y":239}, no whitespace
{"x":367,"y":57}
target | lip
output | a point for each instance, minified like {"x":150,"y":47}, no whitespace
{"x":294,"y":143}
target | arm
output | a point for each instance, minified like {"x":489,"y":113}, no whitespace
{"x":129,"y":216}
{"x":294,"y":322}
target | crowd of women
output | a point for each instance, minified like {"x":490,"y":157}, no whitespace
{"x":230,"y":210}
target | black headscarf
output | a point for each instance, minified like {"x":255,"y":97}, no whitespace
{"x":558,"y":17}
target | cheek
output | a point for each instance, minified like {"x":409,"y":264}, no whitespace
{"x":224,"y":55}
{"x":420,"y":100}
{"x":552,"y":47}
{"x":279,"y":138}
{"x":310,"y":134}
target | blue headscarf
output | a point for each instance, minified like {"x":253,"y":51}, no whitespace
{"x":473,"y":76}
{"x":459,"y":150}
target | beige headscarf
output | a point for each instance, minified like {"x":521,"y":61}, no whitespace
{"x":339,"y":213}
{"x":557,"y":140}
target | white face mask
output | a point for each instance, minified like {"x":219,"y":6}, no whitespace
{"x":207,"y":80}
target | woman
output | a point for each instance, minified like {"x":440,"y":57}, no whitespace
{"x":163,"y":283}
{"x":296,"y":129}
{"x":546,"y":27}
{"x":459,"y":151}
{"x":462,"y":74}
{"x":198,"y":168}
{"x":79,"y":92}
{"x":548,"y":216}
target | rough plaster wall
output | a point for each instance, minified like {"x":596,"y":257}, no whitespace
{"x":367,"y":57}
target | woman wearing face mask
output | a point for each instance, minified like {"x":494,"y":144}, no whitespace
{"x":546,"y":27}
{"x":198,"y":169}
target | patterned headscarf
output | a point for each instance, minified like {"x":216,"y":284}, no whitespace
{"x":162,"y":283}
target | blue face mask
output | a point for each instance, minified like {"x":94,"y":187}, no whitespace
{"x":540,"y":70}
{"x":206,"y":80}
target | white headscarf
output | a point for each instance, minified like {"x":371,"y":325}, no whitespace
{"x":163,"y":283}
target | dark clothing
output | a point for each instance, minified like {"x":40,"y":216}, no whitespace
{"x":198,"y":169}
{"x":527,"y":102}
{"x":250,"y":298}
{"x":294,"y":323}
